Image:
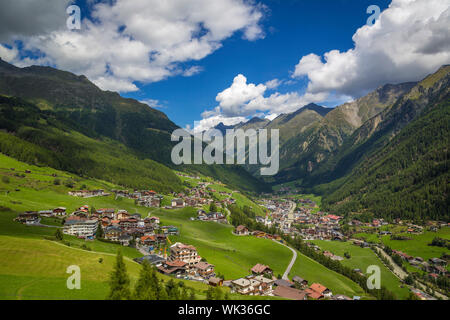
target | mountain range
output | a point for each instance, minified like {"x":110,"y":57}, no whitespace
{"x":384,"y":154}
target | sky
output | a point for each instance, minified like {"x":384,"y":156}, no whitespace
{"x":208,"y":61}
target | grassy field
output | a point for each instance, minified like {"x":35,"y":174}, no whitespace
{"x":35,"y":268}
{"x":361,"y":258}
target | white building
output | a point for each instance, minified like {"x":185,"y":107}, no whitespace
{"x":81,"y":227}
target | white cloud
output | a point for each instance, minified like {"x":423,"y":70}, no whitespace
{"x":410,"y":39}
{"x":243,"y":100}
{"x":210,"y":122}
{"x":143,"y":40}
{"x":272,"y":84}
{"x":153,"y":103}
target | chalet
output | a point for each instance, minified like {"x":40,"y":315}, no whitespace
{"x":242,"y":286}
{"x":203,"y":269}
{"x":60,"y":211}
{"x":113,"y":233}
{"x":437,"y":262}
{"x":241,"y":230}
{"x":173,"y":267}
{"x":45,"y":213}
{"x":289,"y":293}
{"x":122,"y":215}
{"x":28,"y":217}
{"x":215,"y":282}
{"x":260,"y":269}
{"x":320,"y":289}
{"x":300,"y":281}
{"x":178,"y":203}
{"x":125,"y":239}
{"x":283,"y":283}
{"x":129,"y":223}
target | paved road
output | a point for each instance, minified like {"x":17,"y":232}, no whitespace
{"x":294,"y":257}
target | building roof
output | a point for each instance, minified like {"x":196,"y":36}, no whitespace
{"x":260,"y":268}
{"x":317,"y":287}
{"x":176,"y":263}
{"x":203,"y":265}
{"x":214,"y":280}
{"x":241,"y":282}
{"x":313,"y":294}
{"x":289,"y":293}
{"x":298,"y":279}
{"x":283,"y":283}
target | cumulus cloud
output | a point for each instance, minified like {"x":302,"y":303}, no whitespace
{"x":410,"y":39}
{"x":242,"y":100}
{"x":140,"y":40}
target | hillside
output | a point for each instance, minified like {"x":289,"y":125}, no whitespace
{"x":55,"y":118}
{"x":307,"y":151}
{"x":399,"y":158}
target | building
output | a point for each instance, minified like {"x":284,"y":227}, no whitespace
{"x":203,"y":269}
{"x":80,"y":227}
{"x":241,"y":230}
{"x":175,"y":267}
{"x":320,"y":289}
{"x":300,"y":281}
{"x":260,"y":269}
{"x":289,"y":293}
{"x":178,"y":203}
{"x":113,"y":233}
{"x":185,"y":253}
{"x":215,"y":282}
{"x":60,"y":211}
{"x":28,"y":217}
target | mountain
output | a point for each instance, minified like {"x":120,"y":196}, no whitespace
{"x":55,"y":118}
{"x":309,"y":147}
{"x":397,"y":162}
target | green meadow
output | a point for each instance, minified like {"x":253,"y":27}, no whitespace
{"x":35,"y":268}
{"x":361,"y":258}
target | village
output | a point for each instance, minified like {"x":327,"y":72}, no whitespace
{"x":298,"y":217}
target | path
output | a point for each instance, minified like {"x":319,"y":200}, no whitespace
{"x":291,"y":264}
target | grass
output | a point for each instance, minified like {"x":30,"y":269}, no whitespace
{"x":361,"y":258}
{"x":35,"y":267}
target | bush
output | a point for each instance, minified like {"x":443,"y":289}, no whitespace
{"x":5,"y":179}
{"x":57,"y":182}
{"x":69,"y":184}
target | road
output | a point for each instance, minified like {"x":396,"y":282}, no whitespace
{"x":400,"y":273}
{"x":291,"y":264}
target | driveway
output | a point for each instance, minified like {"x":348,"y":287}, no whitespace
{"x":289,"y":267}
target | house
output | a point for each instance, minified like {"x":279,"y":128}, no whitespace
{"x":284,"y":283}
{"x":437,"y":262}
{"x":241,"y":230}
{"x":178,"y":203}
{"x":203,"y":269}
{"x":341,"y":297}
{"x":289,"y":293}
{"x":317,"y":287}
{"x":300,"y":281}
{"x":185,"y":253}
{"x":28,"y":217}
{"x":215,"y":282}
{"x":45,"y":213}
{"x":125,"y":239}
{"x":80,"y":227}
{"x":242,"y":286}
{"x":313,"y":294}
{"x":112,"y":233}
{"x":60,"y":211}
{"x":260,"y":269}
{"x":174,"y":267}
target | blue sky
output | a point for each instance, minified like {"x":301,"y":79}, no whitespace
{"x":294,"y":28}
{"x":229,"y":60}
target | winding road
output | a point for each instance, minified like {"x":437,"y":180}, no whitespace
{"x":291,"y":264}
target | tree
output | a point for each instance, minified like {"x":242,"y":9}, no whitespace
{"x":212,"y":207}
{"x":119,"y":281}
{"x":59,"y":235}
{"x":57,"y":182}
{"x":5,"y":179}
{"x":147,"y":286}
{"x":99,"y":234}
